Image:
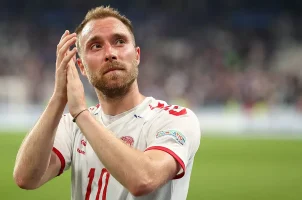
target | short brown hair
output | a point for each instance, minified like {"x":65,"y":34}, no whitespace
{"x":102,"y":12}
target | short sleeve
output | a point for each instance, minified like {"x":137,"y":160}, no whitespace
{"x":63,"y":142}
{"x":177,"y":135}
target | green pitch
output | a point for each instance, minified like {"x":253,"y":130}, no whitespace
{"x":224,"y":169}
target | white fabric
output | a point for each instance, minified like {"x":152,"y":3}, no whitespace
{"x":108,"y":119}
{"x":152,"y":125}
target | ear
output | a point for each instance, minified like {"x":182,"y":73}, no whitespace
{"x":81,"y":66}
{"x":138,"y":55}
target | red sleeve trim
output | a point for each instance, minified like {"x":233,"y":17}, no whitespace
{"x":62,"y":159}
{"x":176,"y":157}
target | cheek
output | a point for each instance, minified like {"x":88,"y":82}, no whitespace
{"x":91,"y":61}
{"x":128,"y":54}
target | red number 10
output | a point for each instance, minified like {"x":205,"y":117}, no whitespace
{"x":104,"y":172}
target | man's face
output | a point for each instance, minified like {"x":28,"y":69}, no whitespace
{"x":109,"y":57}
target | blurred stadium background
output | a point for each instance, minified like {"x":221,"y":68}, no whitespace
{"x":236,"y":63}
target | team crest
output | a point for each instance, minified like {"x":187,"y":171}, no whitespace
{"x":178,"y":136}
{"x":128,"y":140}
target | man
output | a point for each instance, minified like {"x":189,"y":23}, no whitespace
{"x":129,"y":146}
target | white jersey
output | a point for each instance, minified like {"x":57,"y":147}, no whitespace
{"x":153,"y":124}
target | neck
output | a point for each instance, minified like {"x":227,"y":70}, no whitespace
{"x":115,"y":106}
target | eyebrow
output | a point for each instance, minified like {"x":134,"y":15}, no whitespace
{"x":120,"y":35}
{"x":93,"y":39}
{"x":98,"y":38}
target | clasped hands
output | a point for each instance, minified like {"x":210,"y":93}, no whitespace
{"x":68,"y":85}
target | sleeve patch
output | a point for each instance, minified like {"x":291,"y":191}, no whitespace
{"x":176,"y":135}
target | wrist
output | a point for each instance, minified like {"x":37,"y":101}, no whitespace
{"x":75,"y":117}
{"x":59,"y":97}
{"x":58,"y":101}
{"x":84,"y":117}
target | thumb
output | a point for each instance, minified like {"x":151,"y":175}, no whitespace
{"x":74,"y":58}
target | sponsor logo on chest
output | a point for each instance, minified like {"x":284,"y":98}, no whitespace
{"x":82,"y":146}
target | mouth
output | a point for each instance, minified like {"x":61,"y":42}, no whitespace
{"x":113,"y":70}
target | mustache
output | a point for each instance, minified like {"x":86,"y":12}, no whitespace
{"x":113,"y":65}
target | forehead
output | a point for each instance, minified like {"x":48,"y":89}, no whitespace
{"x":103,"y":28}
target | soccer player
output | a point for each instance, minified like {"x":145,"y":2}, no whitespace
{"x":128,"y":146}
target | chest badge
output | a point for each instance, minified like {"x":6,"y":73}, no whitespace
{"x":128,"y":140}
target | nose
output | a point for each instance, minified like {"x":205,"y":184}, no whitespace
{"x":110,"y":53}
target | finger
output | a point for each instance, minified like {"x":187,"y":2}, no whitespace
{"x":64,"y":34}
{"x":74,"y":58}
{"x":72,"y":62}
{"x":67,"y":58}
{"x":64,"y":40}
{"x":74,"y":69}
{"x":62,"y":52}
{"x":69,"y":74}
{"x":75,"y":72}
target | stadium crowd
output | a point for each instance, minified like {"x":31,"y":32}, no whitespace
{"x":186,"y":61}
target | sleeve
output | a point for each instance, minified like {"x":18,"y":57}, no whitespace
{"x":63,"y":142}
{"x":177,"y":135}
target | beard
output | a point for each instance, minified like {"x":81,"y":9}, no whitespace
{"x":114,"y":84}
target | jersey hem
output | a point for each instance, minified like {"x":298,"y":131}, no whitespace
{"x":61,"y":158}
{"x":176,"y":157}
